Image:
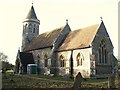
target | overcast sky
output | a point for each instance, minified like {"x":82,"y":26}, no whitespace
{"x":53,"y":14}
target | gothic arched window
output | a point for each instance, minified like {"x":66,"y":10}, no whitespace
{"x":37,"y":27}
{"x":30,"y":26}
{"x":23,"y":29}
{"x":34,"y":28}
{"x":25,"y":26}
{"x":62,"y":61}
{"x":102,"y":52}
{"x":46,"y":60}
{"x":79,"y":59}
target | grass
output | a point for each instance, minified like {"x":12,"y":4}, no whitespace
{"x":44,"y":81}
{"x":61,"y":78}
{"x":27,"y":81}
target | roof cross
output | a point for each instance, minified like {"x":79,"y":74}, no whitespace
{"x":66,"y":21}
{"x":32,"y":2}
{"x":101,"y":18}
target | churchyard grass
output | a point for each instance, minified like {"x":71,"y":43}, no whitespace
{"x":44,"y":81}
{"x":61,"y":78}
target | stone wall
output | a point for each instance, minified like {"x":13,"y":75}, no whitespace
{"x":40,"y":55}
{"x":84,"y":68}
{"x":102,"y":34}
{"x":66,"y":69}
{"x":54,"y":61}
{"x":103,"y":69}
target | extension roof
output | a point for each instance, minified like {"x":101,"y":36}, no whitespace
{"x":26,"y":58}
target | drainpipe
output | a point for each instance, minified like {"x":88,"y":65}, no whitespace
{"x":71,"y":65}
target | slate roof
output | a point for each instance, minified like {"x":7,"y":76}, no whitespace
{"x":80,"y":38}
{"x":31,"y":14}
{"x":44,"y":40}
{"x":26,"y":58}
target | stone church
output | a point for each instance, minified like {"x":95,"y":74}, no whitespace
{"x":62,"y":51}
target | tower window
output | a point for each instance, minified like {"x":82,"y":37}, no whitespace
{"x":25,"y":26}
{"x":34,"y":28}
{"x":38,"y":27}
{"x":30,"y":26}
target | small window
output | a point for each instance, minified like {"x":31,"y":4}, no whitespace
{"x":46,"y":60}
{"x":33,"y":30}
{"x":38,"y":27}
{"x":62,"y":61}
{"x":79,"y":59}
{"x":30,"y":26}
{"x":25,"y":26}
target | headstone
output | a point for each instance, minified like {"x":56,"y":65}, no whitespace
{"x":111,"y":81}
{"x":78,"y":81}
{"x":117,"y":81}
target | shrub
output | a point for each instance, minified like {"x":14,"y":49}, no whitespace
{"x":10,"y":72}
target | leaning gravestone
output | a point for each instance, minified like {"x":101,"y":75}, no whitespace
{"x":78,"y":81}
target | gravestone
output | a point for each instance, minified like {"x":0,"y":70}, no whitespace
{"x":111,"y":81}
{"x":66,"y":77}
{"x":78,"y":81}
{"x":117,"y":80}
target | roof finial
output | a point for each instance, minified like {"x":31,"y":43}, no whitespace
{"x":101,"y":18}
{"x":32,"y":2}
{"x":66,"y":21}
{"x":19,"y":49}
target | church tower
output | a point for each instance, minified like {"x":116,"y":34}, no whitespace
{"x":30,"y":27}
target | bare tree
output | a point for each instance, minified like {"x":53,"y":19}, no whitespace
{"x":3,"y":57}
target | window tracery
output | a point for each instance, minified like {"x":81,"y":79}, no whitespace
{"x":79,"y":59}
{"x":34,"y":28}
{"x":62,"y":61}
{"x":46,"y":60}
{"x":102,"y":52}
